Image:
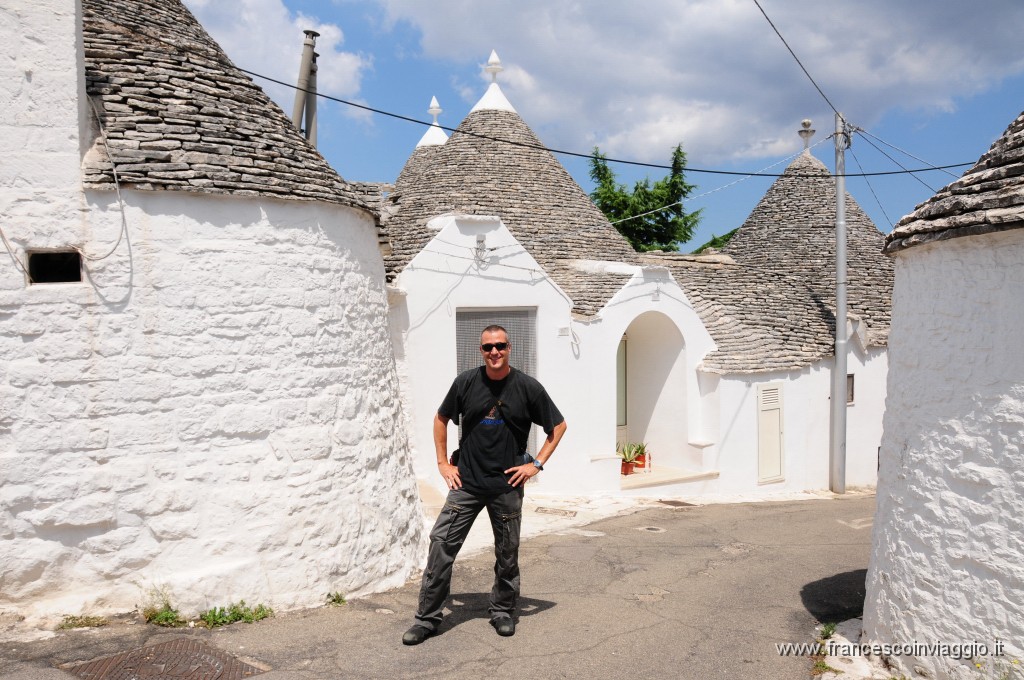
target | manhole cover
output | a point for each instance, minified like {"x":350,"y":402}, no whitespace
{"x":175,"y":660}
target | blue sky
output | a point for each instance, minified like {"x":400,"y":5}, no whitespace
{"x":936,"y":78}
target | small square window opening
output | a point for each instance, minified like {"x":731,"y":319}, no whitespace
{"x":849,"y":388}
{"x":55,"y":267}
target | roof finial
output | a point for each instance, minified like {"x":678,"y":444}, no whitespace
{"x":435,"y":109}
{"x":434,"y":136}
{"x":494,"y":66}
{"x":806,"y":133}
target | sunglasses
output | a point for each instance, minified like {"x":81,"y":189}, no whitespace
{"x":500,"y":346}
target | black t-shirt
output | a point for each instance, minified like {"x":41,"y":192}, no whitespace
{"x":496,"y":417}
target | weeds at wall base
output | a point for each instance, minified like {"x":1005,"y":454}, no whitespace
{"x":233,"y":613}
{"x":71,"y":621}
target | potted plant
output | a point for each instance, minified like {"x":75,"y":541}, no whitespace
{"x":627,"y":452}
{"x":641,"y":455}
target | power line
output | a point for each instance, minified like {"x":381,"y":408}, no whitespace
{"x":691,"y":199}
{"x":881,"y":151}
{"x":799,"y":63}
{"x":880,"y":207}
{"x":541,"y":147}
{"x":216,"y":57}
{"x":856,"y":129}
{"x":907,"y":153}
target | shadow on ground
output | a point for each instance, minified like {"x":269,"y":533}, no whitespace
{"x":836,"y":598}
{"x":469,"y":606}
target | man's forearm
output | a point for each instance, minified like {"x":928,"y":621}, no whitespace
{"x":441,"y":439}
{"x":551,"y":443}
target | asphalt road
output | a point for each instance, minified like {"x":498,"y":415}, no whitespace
{"x":687,"y":592}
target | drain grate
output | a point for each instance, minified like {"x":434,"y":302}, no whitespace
{"x":182,"y":659}
{"x":676,"y":504}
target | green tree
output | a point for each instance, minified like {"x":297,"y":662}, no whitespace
{"x":716,"y":242}
{"x":651,"y":217}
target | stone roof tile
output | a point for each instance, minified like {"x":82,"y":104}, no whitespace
{"x":792,"y":231}
{"x":987,"y":198}
{"x":493,"y":164}
{"x":760,"y":319}
{"x":180,"y":116}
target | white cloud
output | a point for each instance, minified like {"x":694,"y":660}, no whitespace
{"x":263,"y":36}
{"x":639,"y":77}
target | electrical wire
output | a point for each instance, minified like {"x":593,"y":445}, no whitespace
{"x":532,"y":270}
{"x":563,"y":152}
{"x":14,"y":259}
{"x":691,"y":199}
{"x":847,"y":127}
{"x":799,"y":63}
{"x":881,"y":151}
{"x":120,"y":201}
{"x":216,"y":56}
{"x":907,"y":153}
{"x":872,"y":189}
{"x":117,"y":190}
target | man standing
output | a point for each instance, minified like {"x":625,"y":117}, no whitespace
{"x":496,"y":405}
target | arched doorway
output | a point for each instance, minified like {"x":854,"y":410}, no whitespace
{"x":651,"y":387}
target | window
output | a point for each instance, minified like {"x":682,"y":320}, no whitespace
{"x":849,"y":388}
{"x":521,"y":325}
{"x":55,"y":267}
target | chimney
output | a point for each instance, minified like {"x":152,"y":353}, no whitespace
{"x":305,"y":69}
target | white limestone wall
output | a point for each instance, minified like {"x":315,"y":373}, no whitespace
{"x":688,"y":427}
{"x":444,"y":278}
{"x":576,"y":361}
{"x":666,"y":341}
{"x":733,"y":449}
{"x":212,"y":411}
{"x":865,"y":415}
{"x":947,"y":561}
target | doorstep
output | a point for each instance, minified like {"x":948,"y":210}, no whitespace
{"x":663,"y":476}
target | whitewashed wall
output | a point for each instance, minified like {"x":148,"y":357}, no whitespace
{"x":430,"y":290}
{"x":576,"y":361}
{"x":666,"y":342}
{"x":733,"y":436}
{"x":947,"y":561}
{"x":689,"y":427}
{"x":212,"y":412}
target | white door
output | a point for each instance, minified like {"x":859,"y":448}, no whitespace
{"x":769,"y":433}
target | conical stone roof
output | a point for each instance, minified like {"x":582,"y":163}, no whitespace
{"x":761,"y":321}
{"x":988,"y":198}
{"x":493,"y":164}
{"x":791,"y":232}
{"x":180,"y":116}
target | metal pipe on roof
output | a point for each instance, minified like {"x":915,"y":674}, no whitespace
{"x":303,"y":85}
{"x":311,"y":102}
{"x":837,"y":448}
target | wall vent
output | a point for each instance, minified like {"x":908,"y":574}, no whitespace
{"x":52,"y":266}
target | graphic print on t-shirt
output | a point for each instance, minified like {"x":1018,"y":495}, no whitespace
{"x":492,"y":417}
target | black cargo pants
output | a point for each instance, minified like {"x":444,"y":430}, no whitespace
{"x":446,"y":538}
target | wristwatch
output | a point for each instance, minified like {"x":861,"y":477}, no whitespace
{"x":536,"y":464}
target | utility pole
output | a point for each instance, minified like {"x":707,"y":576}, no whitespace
{"x":837,"y":449}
